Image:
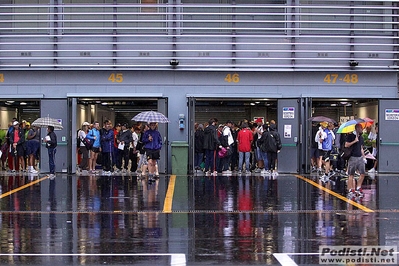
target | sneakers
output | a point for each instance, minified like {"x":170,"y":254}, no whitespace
{"x":371,"y":171}
{"x":33,"y":171}
{"x":227,"y":172}
{"x":331,"y":173}
{"x":51,"y":176}
{"x":351,"y":194}
{"x":248,"y":173}
{"x":275,"y":174}
{"x":265,"y":172}
{"x":359,"y":192}
{"x":324,"y":178}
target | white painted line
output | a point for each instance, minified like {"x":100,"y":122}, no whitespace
{"x":284,"y":259}
{"x":178,"y":259}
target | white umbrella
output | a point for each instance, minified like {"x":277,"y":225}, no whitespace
{"x":47,"y":121}
{"x":151,"y":117}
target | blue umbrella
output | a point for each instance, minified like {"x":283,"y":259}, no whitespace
{"x":151,"y":117}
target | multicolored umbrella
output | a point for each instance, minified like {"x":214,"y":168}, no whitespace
{"x":47,"y":121}
{"x":321,"y":119}
{"x":367,"y":122}
{"x":151,"y":117}
{"x":350,"y":125}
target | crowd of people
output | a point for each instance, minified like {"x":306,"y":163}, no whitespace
{"x":329,"y":160}
{"x":243,"y":148}
{"x":119,"y":149}
{"x":20,"y":148}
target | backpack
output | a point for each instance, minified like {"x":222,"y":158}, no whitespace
{"x":271,"y":142}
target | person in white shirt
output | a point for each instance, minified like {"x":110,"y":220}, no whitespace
{"x":227,"y":142}
{"x":133,"y":151}
{"x":319,"y":138}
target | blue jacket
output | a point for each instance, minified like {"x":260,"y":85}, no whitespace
{"x":107,"y":141}
{"x":328,"y":142}
{"x":156,"y":143}
{"x":94,"y":132}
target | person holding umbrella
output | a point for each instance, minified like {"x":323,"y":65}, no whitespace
{"x":51,"y":144}
{"x":152,"y":141}
{"x":356,"y":161}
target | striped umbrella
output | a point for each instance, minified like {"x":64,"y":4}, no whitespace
{"x":47,"y":121}
{"x":151,"y":117}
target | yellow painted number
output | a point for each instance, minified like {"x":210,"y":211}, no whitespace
{"x":1,"y":77}
{"x":116,"y":77}
{"x":334,"y":78}
{"x":235,"y":78}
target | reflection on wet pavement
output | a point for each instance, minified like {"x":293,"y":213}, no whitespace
{"x":226,"y":220}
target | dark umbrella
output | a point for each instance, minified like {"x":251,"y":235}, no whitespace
{"x":321,"y":119}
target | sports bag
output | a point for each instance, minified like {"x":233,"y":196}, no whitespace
{"x":88,"y":143}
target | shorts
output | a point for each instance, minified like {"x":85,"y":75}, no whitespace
{"x":326,"y":155}
{"x":314,"y":152}
{"x":356,"y":163}
{"x":32,"y":148}
{"x":95,"y":149}
{"x":153,"y":154}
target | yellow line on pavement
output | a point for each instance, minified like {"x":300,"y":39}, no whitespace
{"x":22,"y":187}
{"x":167,"y":206}
{"x":360,"y":206}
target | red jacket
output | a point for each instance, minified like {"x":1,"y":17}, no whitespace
{"x":244,"y":139}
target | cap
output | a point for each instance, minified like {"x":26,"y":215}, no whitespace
{"x":118,"y":125}
{"x":258,"y":120}
{"x":15,"y":123}
{"x":86,"y":124}
{"x":324,"y":124}
{"x":221,"y":125}
{"x":23,"y":121}
{"x":201,"y":126}
{"x":27,"y":124}
{"x":124,"y":124}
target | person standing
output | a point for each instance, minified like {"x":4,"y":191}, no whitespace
{"x":143,"y":164}
{"x":94,"y":136}
{"x":259,"y":159}
{"x":51,"y":144}
{"x":82,"y":147}
{"x":211,"y":143}
{"x":115,"y":154}
{"x":244,"y":141}
{"x":133,"y":151}
{"x":271,"y":144}
{"x":373,"y":136}
{"x":17,"y":140}
{"x":107,"y":147}
{"x":33,"y":148}
{"x":124,"y":139}
{"x":10,"y":157}
{"x":198,"y":146}
{"x":152,"y":141}
{"x":227,"y":141}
